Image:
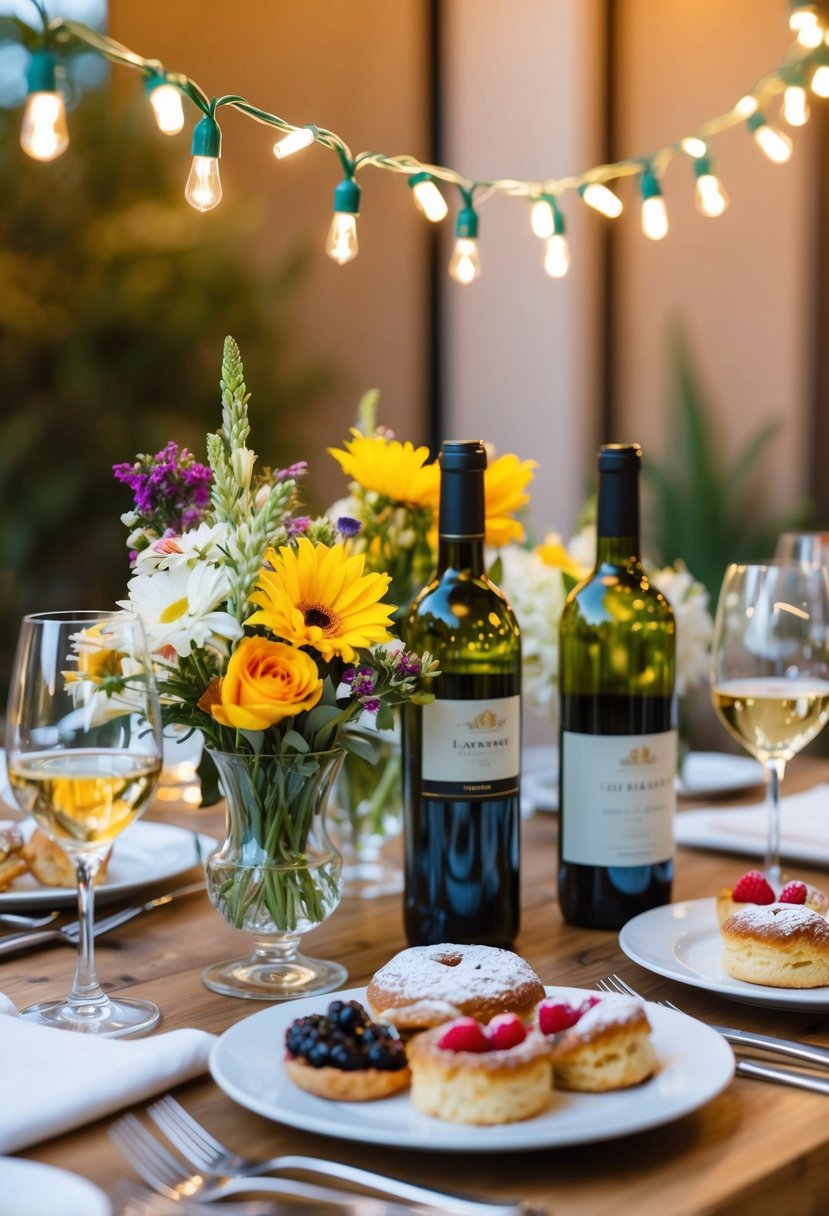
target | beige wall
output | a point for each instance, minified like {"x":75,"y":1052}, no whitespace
{"x":358,"y":70}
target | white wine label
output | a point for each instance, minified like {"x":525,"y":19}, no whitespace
{"x":471,"y":749}
{"x":618,"y":798}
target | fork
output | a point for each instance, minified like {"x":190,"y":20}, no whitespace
{"x":227,"y":1167}
{"x":130,"y":1198}
{"x":747,"y":1038}
{"x":28,"y":922}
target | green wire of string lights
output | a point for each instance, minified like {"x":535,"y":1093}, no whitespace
{"x":805,"y":69}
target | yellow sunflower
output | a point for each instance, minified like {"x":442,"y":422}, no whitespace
{"x":318,"y":596}
{"x":505,"y":482}
{"x":396,"y":470}
{"x":553,"y":553}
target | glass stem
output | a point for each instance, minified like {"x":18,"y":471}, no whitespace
{"x":774,"y":776}
{"x":86,"y":991}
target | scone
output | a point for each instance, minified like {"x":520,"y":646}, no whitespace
{"x":342,"y":1054}
{"x":754,"y":888}
{"x":12,"y":861}
{"x":779,"y":945}
{"x":426,"y":986}
{"x":468,"y":1073}
{"x":600,"y":1045}
{"x":51,"y":866}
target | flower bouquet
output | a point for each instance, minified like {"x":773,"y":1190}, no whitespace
{"x":270,"y":637}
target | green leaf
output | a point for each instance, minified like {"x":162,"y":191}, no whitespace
{"x":294,"y":741}
{"x":362,"y":746}
{"x":209,"y":777}
{"x":385,"y":718}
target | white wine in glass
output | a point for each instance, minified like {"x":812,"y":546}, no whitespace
{"x":83,"y":743}
{"x":770,"y":668}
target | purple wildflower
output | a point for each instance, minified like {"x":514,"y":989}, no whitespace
{"x":296,"y":527}
{"x":408,"y":664}
{"x":371,"y":705}
{"x":347,"y":526}
{"x":363,"y":681}
{"x":348,"y":675}
{"x":171,"y":489}
{"x":298,"y":469}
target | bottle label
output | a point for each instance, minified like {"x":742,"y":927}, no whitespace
{"x":471,"y":749}
{"x":618,"y":798}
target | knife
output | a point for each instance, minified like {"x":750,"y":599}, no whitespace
{"x":14,"y":942}
{"x":783,"y":1076}
{"x":784,"y":1047}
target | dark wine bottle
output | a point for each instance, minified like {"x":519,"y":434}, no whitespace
{"x":462,"y":752}
{"x":617,"y":745}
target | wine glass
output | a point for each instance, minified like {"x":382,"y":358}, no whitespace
{"x":803,"y":547}
{"x":83,"y":745}
{"x":770,"y":668}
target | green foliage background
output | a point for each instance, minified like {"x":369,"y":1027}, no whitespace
{"x":115,"y":297}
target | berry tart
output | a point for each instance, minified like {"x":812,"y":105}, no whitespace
{"x":342,"y":1054}
{"x":754,"y":888}
{"x":602,"y":1044}
{"x":468,"y":1072}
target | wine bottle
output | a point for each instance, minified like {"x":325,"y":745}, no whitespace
{"x":462,"y":752}
{"x":617,"y":746}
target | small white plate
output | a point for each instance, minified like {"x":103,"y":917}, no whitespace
{"x":713,"y":774}
{"x":29,"y":1188}
{"x":147,"y":853}
{"x":682,"y":941}
{"x":695,"y":1064}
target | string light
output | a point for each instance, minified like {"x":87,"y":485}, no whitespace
{"x":465,"y":262}
{"x":556,"y":249}
{"x":802,"y":15}
{"x":428,"y":198}
{"x":602,"y":199}
{"x":44,"y":134}
{"x":542,"y":220}
{"x":204,"y":185}
{"x":819,"y":84}
{"x":295,"y":141}
{"x":693,"y":146}
{"x":795,"y":107}
{"x":710,"y":195}
{"x":654,"y":211}
{"x":776,"y":145}
{"x":165,"y":100}
{"x":341,"y":244}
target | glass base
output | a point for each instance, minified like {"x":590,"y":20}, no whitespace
{"x":263,"y":978}
{"x":107,"y":1019}
{"x":371,"y":879}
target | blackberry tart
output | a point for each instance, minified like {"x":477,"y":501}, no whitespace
{"x":343,"y":1054}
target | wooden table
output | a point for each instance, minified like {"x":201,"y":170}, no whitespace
{"x":756,"y":1149}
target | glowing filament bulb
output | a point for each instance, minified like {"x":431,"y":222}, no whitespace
{"x":465,"y":263}
{"x":295,"y":141}
{"x":428,"y":197}
{"x":341,"y":244}
{"x":694,"y":146}
{"x":557,"y":256}
{"x":654,"y":212}
{"x":795,"y":105}
{"x":820,"y":81}
{"x":204,"y":186}
{"x":542,"y":219}
{"x":801,"y":16}
{"x":165,"y":100}
{"x":776,"y":146}
{"x":43,"y":132}
{"x":711,"y":198}
{"x":810,"y":35}
{"x":601,"y":199}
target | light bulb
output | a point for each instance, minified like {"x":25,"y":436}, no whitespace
{"x":601,"y":199}
{"x":341,"y":244}
{"x":428,"y":197}
{"x":465,"y":263}
{"x":711,"y":197}
{"x":294,"y":142}
{"x":557,"y":256}
{"x":795,"y":105}
{"x":810,"y":35}
{"x":694,"y":146}
{"x":820,"y":81}
{"x":204,"y":185}
{"x":654,"y":218}
{"x":43,"y":131}
{"x":165,"y":100}
{"x":802,"y":15}
{"x":542,"y":219}
{"x":746,"y":106}
{"x":776,"y":146}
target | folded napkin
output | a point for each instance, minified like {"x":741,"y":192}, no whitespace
{"x":804,"y":828}
{"x":54,"y":1080}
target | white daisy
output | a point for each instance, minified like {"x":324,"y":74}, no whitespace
{"x":180,"y":607}
{"x":206,"y":543}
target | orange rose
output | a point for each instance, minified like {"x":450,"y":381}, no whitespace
{"x":264,"y":683}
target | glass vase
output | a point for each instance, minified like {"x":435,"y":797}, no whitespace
{"x":367,"y":816}
{"x":277,"y":874}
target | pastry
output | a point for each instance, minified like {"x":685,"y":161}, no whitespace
{"x":465,"y":1072}
{"x":600,"y":1045}
{"x":425,"y":986}
{"x":12,"y":861}
{"x":342,"y":1054}
{"x":51,"y":866}
{"x":754,"y":888}
{"x":781,"y":945}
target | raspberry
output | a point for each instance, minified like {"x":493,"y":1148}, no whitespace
{"x":464,"y":1034}
{"x":752,"y":888}
{"x":588,"y":1003}
{"x":504,"y":1031}
{"x":793,"y":893}
{"x":554,"y":1016}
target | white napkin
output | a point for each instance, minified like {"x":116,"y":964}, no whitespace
{"x":804,"y":828}
{"x":54,"y":1080}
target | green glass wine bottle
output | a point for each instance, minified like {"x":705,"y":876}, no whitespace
{"x":462,"y":752}
{"x":617,"y":745}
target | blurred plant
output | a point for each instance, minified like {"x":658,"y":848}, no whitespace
{"x":113,"y":299}
{"x":704,"y":509}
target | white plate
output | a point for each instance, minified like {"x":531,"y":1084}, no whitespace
{"x":29,"y":1188}
{"x":146,"y":853}
{"x":695,"y":1065}
{"x":711,"y":774}
{"x":682,"y":942}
